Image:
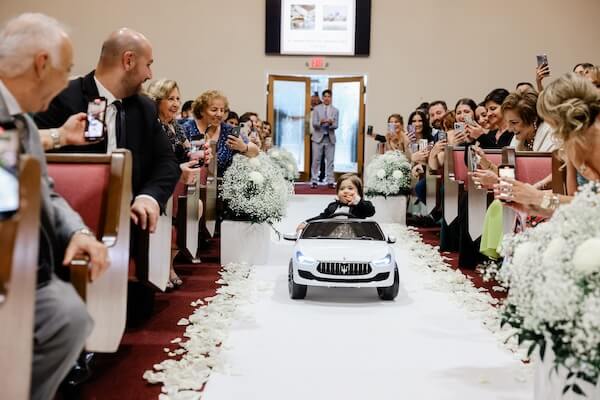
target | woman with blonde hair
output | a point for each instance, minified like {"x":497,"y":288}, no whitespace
{"x":396,"y":138}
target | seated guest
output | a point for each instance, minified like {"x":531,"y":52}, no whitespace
{"x":396,"y":138}
{"x":266,"y":138}
{"x":36,"y":57}
{"x":165,"y":93}
{"x":208,"y":110}
{"x":232,"y":118}
{"x":499,"y":136}
{"x":186,"y":111}
{"x":131,"y":119}
{"x":583,"y":69}
{"x":418,"y":119}
{"x":523,"y":87}
{"x":571,"y":106}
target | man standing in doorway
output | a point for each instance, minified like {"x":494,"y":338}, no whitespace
{"x":324,"y":122}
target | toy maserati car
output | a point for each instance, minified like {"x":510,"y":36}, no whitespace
{"x":343,"y":252}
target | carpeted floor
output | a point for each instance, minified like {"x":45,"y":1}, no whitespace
{"x":119,"y":376}
{"x":304,"y":188}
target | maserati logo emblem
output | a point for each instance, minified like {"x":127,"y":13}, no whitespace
{"x":344,"y":268}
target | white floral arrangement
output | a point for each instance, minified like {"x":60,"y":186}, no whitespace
{"x":553,"y":272}
{"x":285,"y":161}
{"x":388,"y":175}
{"x":254,"y":190}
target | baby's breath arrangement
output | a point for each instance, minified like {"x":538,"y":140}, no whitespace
{"x":388,"y":175}
{"x":254,"y":190}
{"x":553,"y":272}
{"x":285,"y":161}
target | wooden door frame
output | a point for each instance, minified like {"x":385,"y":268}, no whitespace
{"x":361,"y":118}
{"x":304,"y":176}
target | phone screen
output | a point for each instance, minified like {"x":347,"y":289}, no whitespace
{"x":469,"y":120}
{"x":472,"y":159}
{"x":441,"y":135}
{"x":9,"y":169}
{"x":506,"y":172}
{"x":542,"y":60}
{"x":95,"y":125}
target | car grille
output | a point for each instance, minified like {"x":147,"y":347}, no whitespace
{"x":344,"y":268}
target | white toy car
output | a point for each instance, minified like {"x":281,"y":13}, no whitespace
{"x":344,"y":252}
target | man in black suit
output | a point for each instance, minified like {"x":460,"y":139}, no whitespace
{"x":131,"y":120}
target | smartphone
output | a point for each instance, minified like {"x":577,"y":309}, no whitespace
{"x":197,"y":153}
{"x":95,"y":125}
{"x":423,"y":144}
{"x":411,"y":132}
{"x":441,"y":135}
{"x":9,"y":169}
{"x":505,"y":171}
{"x":370,"y":130}
{"x":414,"y":147}
{"x":542,"y":60}
{"x":235,"y":131}
{"x":472,"y":159}
{"x":469,"y":120}
{"x":459,"y":127}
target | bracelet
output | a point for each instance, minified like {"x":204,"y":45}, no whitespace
{"x":55,"y":136}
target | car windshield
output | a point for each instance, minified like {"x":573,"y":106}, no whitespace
{"x":367,"y":230}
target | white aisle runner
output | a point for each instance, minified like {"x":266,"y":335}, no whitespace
{"x":347,"y":344}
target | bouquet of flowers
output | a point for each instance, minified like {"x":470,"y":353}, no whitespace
{"x":388,"y":175}
{"x":255,"y":190}
{"x":286,"y":162}
{"x":553,"y":271}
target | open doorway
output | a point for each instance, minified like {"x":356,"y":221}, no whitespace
{"x":289,"y":112}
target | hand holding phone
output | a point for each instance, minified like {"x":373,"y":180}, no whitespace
{"x":542,"y":64}
{"x":95,"y":127}
{"x":411,"y":133}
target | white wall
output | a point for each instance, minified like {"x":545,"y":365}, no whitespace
{"x":420,"y":50}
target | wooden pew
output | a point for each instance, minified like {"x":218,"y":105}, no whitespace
{"x":478,"y":197}
{"x":19,"y":237}
{"x":208,"y":193}
{"x":98,"y":187}
{"x":187,"y":219}
{"x":433,"y":182}
{"x":455,"y":175}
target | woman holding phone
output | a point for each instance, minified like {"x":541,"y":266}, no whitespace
{"x":396,"y":138}
{"x":208,"y":110}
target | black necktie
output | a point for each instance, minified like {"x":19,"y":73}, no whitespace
{"x":120,"y":124}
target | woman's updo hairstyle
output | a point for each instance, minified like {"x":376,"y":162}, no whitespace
{"x":571,"y":103}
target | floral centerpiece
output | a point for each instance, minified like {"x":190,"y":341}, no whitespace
{"x":553,"y":272}
{"x":285,"y":161}
{"x":254,"y":190}
{"x":388,"y":175}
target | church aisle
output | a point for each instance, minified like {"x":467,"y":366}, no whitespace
{"x":347,"y":344}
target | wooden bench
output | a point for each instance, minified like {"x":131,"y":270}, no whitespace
{"x":208,"y":194}
{"x":98,"y":187}
{"x":455,"y":176}
{"x":19,"y":236}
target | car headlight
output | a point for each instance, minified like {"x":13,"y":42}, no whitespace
{"x":305,"y":261}
{"x":385,"y":261}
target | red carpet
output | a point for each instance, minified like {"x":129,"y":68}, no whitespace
{"x":119,"y":376}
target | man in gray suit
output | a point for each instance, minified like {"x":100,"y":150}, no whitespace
{"x":324,"y":122}
{"x":36,"y":57}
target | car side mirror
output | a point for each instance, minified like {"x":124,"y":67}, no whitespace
{"x":290,"y":236}
{"x":391,"y":239}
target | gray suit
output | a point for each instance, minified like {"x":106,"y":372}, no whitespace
{"x":61,"y":323}
{"x":323,"y":141}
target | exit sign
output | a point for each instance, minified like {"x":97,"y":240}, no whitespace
{"x":317,"y":63}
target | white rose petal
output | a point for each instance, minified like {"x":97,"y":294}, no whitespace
{"x":586,"y":258}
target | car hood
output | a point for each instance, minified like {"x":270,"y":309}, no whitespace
{"x":343,"y":250}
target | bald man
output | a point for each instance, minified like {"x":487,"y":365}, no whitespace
{"x":131,"y":121}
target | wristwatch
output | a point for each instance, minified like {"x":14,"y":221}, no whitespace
{"x":55,"y":136}
{"x":550,"y":202}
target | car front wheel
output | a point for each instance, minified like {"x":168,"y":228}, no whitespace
{"x":295,"y":290}
{"x":390,"y":292}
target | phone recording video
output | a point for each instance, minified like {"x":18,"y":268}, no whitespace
{"x":459,"y":127}
{"x":9,"y":169}
{"x":236,"y":130}
{"x":95,"y":126}
{"x":442,"y":135}
{"x":472,"y":159}
{"x":370,"y":130}
{"x":411,"y":133}
{"x":197,"y":153}
{"x":506,"y":171}
{"x":469,"y":120}
{"x":542,"y":61}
